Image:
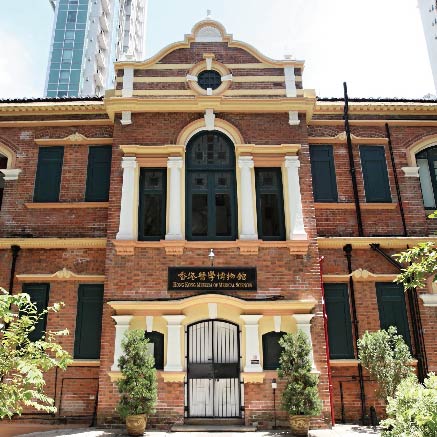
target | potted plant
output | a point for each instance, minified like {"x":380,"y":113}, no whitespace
{"x":137,"y":386}
{"x":300,"y":397}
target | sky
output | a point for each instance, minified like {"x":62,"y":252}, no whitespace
{"x":376,"y":46}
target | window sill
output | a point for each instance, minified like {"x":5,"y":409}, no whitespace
{"x":371,"y":206}
{"x":176,"y":247}
{"x":84,"y":363}
{"x":65,"y":205}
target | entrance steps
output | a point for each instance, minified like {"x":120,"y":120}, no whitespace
{"x":213,"y":425}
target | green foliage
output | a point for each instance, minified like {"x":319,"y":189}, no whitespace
{"x":138,"y":387}
{"x":413,"y":410}
{"x":301,"y":395}
{"x":422,"y":263}
{"x":386,"y":356}
{"x":23,"y":362}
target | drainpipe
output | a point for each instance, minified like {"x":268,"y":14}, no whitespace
{"x":416,"y":320}
{"x":325,"y":326}
{"x":351,"y":162}
{"x":15,"y":250}
{"x":395,"y":174}
{"x":348,"y":254}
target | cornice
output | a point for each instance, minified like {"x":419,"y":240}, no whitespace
{"x":364,"y":242}
{"x":341,"y":138}
{"x":360,"y":275}
{"x":47,"y":108}
{"x":257,"y":307}
{"x":255,"y":149}
{"x":165,"y":150}
{"x":216,"y":103}
{"x":54,"y":243}
{"x":61,"y":275}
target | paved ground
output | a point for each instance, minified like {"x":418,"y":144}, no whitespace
{"x":337,"y":431}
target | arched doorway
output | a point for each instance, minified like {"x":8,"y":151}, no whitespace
{"x":213,"y":369}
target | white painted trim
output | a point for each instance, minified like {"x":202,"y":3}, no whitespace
{"x":248,"y":227}
{"x":128,"y":82}
{"x":429,"y":300}
{"x":411,"y":172}
{"x":149,"y":323}
{"x":126,"y":118}
{"x":174,"y":165}
{"x":251,"y":325}
{"x":11,"y":174}
{"x":209,"y":119}
{"x":293,"y":118}
{"x":174,"y":332}
{"x":303,"y":322}
{"x":121,"y":326}
{"x":290,"y":82}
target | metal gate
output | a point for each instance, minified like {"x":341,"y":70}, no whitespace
{"x":213,"y":364}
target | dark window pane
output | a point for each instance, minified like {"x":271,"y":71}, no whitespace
{"x":152,"y":212}
{"x":223,"y":215}
{"x":271,"y":350}
{"x":199,"y":214}
{"x":270,"y":204}
{"x":209,"y":79}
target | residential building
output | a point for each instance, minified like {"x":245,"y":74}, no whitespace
{"x":428,"y":12}
{"x":88,"y":37}
{"x":113,"y":206}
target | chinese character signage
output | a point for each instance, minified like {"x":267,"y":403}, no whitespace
{"x":212,"y":278}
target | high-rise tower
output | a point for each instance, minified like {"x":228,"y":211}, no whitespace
{"x":88,"y":37}
{"x":428,"y":11}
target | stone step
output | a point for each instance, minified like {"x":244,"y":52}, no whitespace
{"x":206,"y":421}
{"x":212,"y":428}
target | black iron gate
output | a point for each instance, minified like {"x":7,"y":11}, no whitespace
{"x":213,"y":364}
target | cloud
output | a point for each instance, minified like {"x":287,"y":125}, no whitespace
{"x":20,"y":75}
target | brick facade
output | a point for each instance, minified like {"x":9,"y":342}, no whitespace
{"x":83,"y":240}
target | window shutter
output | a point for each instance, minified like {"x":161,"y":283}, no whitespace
{"x":271,"y":350}
{"x":48,"y":174}
{"x":270,"y":203}
{"x":323,"y":174}
{"x":152,"y":210}
{"x":39,"y":295}
{"x":157,"y":339}
{"x":392,"y":308}
{"x":374,"y":166}
{"x":88,"y":321}
{"x":339,"y":321}
{"x":98,"y":174}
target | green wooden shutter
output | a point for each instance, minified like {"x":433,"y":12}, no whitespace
{"x":157,"y":339}
{"x":392,"y":308}
{"x":152,"y":210}
{"x":269,"y":204}
{"x":339,"y":321}
{"x":374,"y":166}
{"x":39,"y":295}
{"x":98,"y":174}
{"x":48,"y":174}
{"x":323,"y":174}
{"x":88,"y":321}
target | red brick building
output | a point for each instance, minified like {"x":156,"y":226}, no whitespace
{"x":113,"y":206}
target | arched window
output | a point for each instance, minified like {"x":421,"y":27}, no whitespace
{"x":156,"y":344}
{"x":3,"y":165}
{"x":210,"y":188}
{"x":271,"y":350}
{"x":427,"y":163}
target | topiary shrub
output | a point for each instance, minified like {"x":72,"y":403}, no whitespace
{"x":387,"y":358}
{"x":412,"y":411}
{"x":137,"y":387}
{"x":301,"y":394}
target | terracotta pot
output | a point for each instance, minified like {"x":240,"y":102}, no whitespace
{"x":136,"y":425}
{"x":299,"y":425}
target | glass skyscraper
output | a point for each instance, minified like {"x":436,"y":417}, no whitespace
{"x":88,"y":36}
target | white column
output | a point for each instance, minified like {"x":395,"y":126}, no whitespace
{"x":297,"y":230}
{"x":303,"y":322}
{"x":121,"y":326}
{"x":248,"y":229}
{"x":174,"y":358}
{"x":252,"y":343}
{"x":128,"y":207}
{"x":174,"y":165}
